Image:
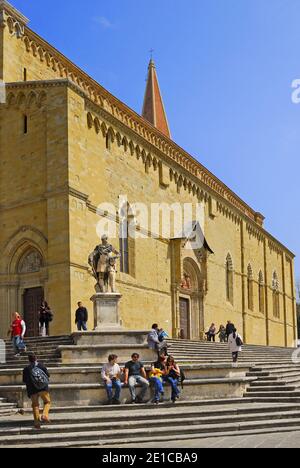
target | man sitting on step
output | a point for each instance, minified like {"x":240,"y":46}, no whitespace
{"x":135,"y":374}
{"x":111,"y":374}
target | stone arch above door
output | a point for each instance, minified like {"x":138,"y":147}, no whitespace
{"x":30,"y":262}
{"x":192,"y":279}
{"x":26,"y":239}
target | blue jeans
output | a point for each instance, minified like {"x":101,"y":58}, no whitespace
{"x":18,"y":344}
{"x":133,"y":381}
{"x":174,"y":385}
{"x":158,"y":388}
{"x":81,"y":326}
{"x":109,"y":389}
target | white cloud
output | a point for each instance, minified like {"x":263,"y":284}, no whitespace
{"x":105,"y":23}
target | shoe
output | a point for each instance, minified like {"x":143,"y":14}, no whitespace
{"x":37,"y":426}
{"x":18,"y":355}
{"x":156,"y":402}
{"x":108,"y":403}
{"x":45,"y":420}
{"x":174,"y":400}
{"x":133,"y":402}
{"x":116,"y":402}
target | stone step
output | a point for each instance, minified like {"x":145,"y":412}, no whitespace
{"x":138,"y":412}
{"x":266,"y":383}
{"x":130,"y":433}
{"x":98,"y":423}
{"x":211,"y":344}
{"x":68,"y":394}
{"x":272,"y":388}
{"x":91,"y":374}
{"x":279,"y":394}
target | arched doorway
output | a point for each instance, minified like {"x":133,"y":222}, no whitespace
{"x":23,"y":266}
{"x":191,"y":297}
{"x":29,"y":268}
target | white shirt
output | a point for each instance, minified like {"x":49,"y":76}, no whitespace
{"x":110,"y":372}
{"x":234,"y":348}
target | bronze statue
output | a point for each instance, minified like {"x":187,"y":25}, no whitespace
{"x":103,"y":261}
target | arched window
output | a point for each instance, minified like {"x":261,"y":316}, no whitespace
{"x":250,"y":288}
{"x":276,"y":295}
{"x":261,"y":292}
{"x":229,"y":279}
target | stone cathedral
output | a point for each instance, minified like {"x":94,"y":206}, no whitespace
{"x":67,"y":146}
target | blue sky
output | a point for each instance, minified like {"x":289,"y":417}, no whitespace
{"x":225,"y":69}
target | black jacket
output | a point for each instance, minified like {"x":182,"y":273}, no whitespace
{"x":81,"y":315}
{"x":229,"y":329}
{"x":31,"y":390}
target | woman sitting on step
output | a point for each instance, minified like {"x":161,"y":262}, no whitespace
{"x":172,"y":377}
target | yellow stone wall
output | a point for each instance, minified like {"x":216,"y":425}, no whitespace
{"x":34,"y":198}
{"x":52,"y":181}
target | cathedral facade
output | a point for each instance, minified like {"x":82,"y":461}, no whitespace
{"x":68,"y":147}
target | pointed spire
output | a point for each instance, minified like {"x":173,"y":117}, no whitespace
{"x":153,"y":109}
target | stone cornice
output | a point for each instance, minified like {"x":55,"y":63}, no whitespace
{"x":13,"y":19}
{"x":235,"y":211}
{"x":45,"y":52}
{"x":10,"y":10}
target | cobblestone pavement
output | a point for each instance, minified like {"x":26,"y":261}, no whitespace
{"x":277,"y":440}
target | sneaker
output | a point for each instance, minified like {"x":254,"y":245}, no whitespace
{"x":18,"y":355}
{"x":45,"y":420}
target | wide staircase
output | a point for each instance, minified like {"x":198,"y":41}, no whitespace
{"x":269,"y":403}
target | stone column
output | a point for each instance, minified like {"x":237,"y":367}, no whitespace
{"x":106,"y":311}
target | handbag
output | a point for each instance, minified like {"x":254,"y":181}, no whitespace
{"x":238,"y":341}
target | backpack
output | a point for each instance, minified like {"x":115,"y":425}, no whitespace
{"x":38,"y":378}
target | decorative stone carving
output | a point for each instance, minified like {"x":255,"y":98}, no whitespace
{"x":186,"y":282}
{"x":11,"y":17}
{"x":31,"y":263}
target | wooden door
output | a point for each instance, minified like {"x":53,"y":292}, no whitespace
{"x":32,"y":301}
{"x":184,"y":319}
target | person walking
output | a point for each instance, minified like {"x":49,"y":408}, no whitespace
{"x":155,"y":343}
{"x":172,"y":377}
{"x":111,"y":375}
{"x":158,"y":371}
{"x":135,"y":374}
{"x":235,"y":345}
{"x":46,"y":316}
{"x":229,"y":329}
{"x":17,"y":332}
{"x":211,"y":335}
{"x":222,"y":334}
{"x":36,"y":378}
{"x":81,"y":317}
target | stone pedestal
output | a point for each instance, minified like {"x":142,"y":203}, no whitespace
{"x":106,"y":311}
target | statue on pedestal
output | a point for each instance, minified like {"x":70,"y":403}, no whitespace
{"x":103,"y":261}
